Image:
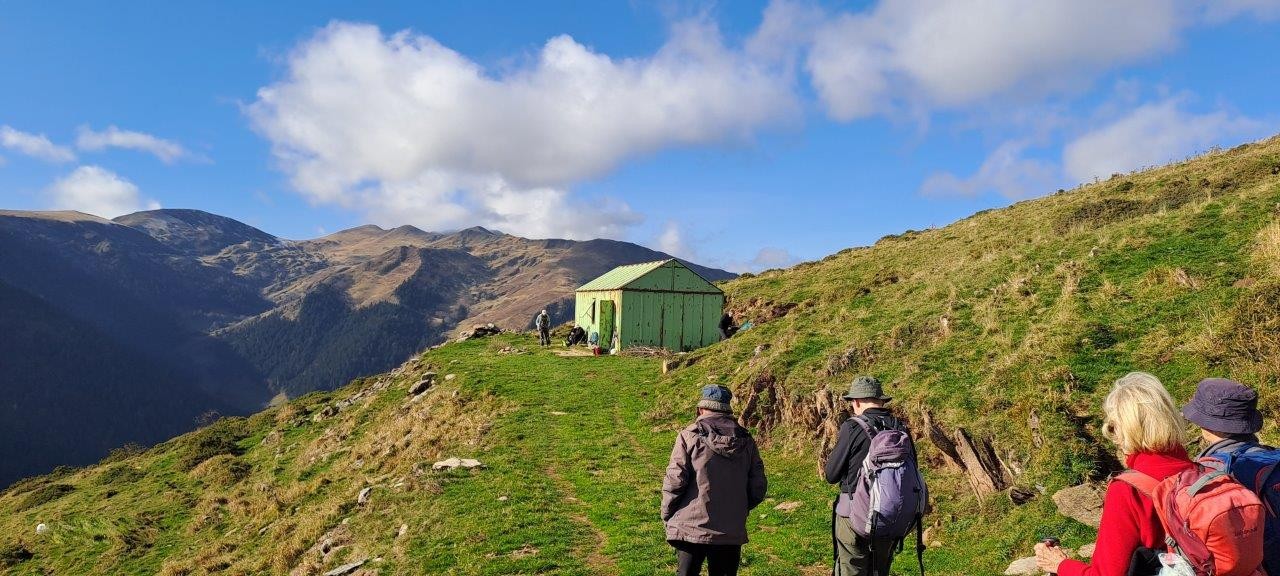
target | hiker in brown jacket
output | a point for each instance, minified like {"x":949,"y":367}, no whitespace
{"x":714,"y":479}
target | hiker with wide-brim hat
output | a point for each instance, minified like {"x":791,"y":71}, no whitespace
{"x":854,"y":554}
{"x":1226,"y":412}
{"x":714,"y":478}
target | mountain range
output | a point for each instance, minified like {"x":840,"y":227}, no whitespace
{"x":135,"y":329}
{"x":998,"y":336}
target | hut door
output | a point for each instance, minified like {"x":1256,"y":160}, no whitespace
{"x":606,"y":323}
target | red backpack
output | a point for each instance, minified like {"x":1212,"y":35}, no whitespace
{"x":1210,"y":521}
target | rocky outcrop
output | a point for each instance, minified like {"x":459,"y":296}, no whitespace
{"x":977,"y":459}
{"x":422,"y":385}
{"x":480,"y":331}
{"x":982,"y":466}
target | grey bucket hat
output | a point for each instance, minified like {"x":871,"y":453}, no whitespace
{"x":1223,"y":405}
{"x":864,"y":387}
{"x":715,"y":397}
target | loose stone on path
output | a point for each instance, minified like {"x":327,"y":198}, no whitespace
{"x":451,"y":463}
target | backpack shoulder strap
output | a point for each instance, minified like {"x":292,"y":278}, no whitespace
{"x":865,"y":424}
{"x":1142,"y":482}
{"x":1231,"y":456}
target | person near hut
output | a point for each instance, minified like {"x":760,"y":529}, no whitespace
{"x":576,"y":336}
{"x":727,"y":327}
{"x":543,"y":323}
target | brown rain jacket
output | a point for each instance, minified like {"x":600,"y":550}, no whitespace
{"x":714,"y":479}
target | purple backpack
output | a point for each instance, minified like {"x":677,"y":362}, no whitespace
{"x":890,"y":495}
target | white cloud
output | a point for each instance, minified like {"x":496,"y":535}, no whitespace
{"x":905,"y":55}
{"x":1217,"y":11}
{"x":766,"y":258}
{"x":1005,"y":171}
{"x":380,"y":123}
{"x":166,"y":150}
{"x":672,"y":241}
{"x":97,"y":191}
{"x":34,"y":145}
{"x":1153,"y":134}
{"x":772,"y":257}
{"x":437,"y":200}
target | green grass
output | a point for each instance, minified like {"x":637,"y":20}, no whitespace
{"x":1010,"y":316}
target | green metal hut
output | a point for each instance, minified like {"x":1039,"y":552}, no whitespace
{"x":660,"y":304}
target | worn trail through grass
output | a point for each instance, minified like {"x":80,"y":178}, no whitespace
{"x":580,"y":464}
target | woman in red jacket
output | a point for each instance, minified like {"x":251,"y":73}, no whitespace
{"x":1148,"y":430}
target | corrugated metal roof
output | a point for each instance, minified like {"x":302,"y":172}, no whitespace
{"x":621,"y":276}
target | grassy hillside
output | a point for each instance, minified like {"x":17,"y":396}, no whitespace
{"x":1001,"y":331}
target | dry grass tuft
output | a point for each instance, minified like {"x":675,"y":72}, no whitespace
{"x":1266,"y":252}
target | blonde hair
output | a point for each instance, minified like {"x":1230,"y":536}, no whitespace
{"x":1141,"y":416}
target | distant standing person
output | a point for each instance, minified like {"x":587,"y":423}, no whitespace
{"x":873,"y":437}
{"x":714,"y":479}
{"x":543,"y":323}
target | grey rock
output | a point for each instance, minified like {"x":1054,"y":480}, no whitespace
{"x":423,"y":385}
{"x":1081,"y":503}
{"x":447,"y":464}
{"x":451,"y":463}
{"x":363,"y":498}
{"x":1028,"y":565}
{"x":788,"y":506}
{"x":345,"y":569}
{"x":1023,"y":567}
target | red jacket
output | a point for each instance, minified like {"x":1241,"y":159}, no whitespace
{"x":1129,"y":519}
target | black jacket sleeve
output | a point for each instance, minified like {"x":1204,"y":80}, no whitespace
{"x":847,"y":443}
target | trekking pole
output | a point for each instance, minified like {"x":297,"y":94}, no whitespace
{"x":835,"y":547}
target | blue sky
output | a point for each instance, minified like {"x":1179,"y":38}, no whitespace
{"x":743,"y":134}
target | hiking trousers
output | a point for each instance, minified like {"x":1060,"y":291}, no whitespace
{"x":544,"y":336}
{"x":722,"y":559}
{"x":855,"y":556}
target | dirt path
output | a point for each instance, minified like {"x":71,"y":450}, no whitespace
{"x":594,"y":555}
{"x":621,"y":425}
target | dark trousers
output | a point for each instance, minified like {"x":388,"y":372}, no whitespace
{"x":544,"y":336}
{"x":722,"y":559}
{"x":856,"y":556}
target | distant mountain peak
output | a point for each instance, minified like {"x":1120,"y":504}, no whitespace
{"x":194,"y":231}
{"x":477,"y":231}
